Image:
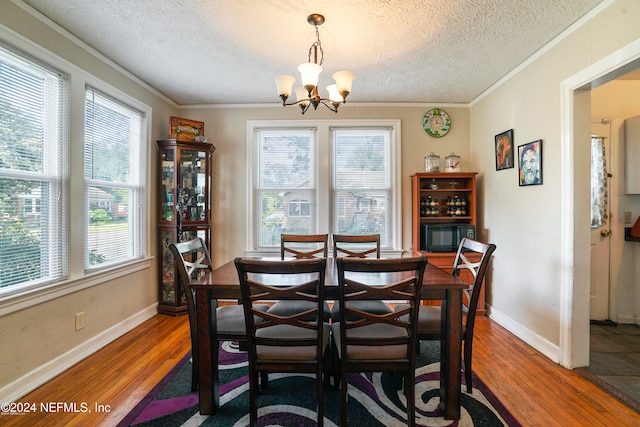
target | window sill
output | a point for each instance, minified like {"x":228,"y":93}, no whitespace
{"x":12,"y":302}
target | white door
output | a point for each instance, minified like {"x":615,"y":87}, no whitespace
{"x":600,"y":235}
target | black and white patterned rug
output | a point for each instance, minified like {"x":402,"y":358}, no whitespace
{"x":290,"y":399}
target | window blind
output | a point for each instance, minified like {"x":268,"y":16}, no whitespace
{"x":113,"y":181}
{"x":285,"y":187}
{"x":33,"y":172}
{"x":361,"y":193}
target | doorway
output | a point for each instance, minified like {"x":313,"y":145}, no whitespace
{"x":575,"y":237}
{"x":601,"y":197}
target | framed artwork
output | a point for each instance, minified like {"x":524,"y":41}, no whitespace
{"x":185,"y":129}
{"x":530,"y":163}
{"x":504,"y":150}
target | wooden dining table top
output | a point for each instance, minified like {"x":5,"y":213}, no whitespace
{"x":224,"y":282}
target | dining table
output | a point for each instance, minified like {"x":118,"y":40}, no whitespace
{"x":223,"y":283}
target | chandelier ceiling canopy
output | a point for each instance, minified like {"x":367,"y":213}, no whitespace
{"x":308,"y":94}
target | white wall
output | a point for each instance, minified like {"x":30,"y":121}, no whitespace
{"x":526,"y":223}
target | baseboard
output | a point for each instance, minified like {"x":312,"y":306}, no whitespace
{"x":539,"y":343}
{"x":629,"y":320}
{"x":34,"y":379}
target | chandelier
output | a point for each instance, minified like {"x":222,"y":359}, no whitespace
{"x":308,"y":95}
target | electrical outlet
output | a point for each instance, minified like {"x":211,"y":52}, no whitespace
{"x":627,"y":217}
{"x":79,"y":321}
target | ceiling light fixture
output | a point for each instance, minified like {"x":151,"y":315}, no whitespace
{"x":310,"y":71}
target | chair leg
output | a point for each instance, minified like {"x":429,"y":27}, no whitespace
{"x":253,"y":398}
{"x":319,"y":390}
{"x":195,"y":366}
{"x":264,"y":380}
{"x":409,"y":392}
{"x":343,"y":397}
{"x":335,"y":367}
{"x":194,"y":376}
{"x":327,"y":371}
{"x":467,"y":366}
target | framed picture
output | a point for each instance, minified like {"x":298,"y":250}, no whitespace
{"x":185,"y":129}
{"x":530,"y":163}
{"x":504,"y":150}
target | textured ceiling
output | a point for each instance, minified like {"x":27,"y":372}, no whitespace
{"x":227,"y":51}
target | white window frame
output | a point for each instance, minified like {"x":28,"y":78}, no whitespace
{"x":20,"y":298}
{"x":323,"y":164}
{"x":137,"y":220}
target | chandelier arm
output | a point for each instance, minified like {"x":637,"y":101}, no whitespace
{"x":333,"y":107}
{"x":330,"y":104}
{"x":296,"y":102}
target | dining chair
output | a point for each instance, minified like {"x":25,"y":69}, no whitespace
{"x":192,"y":260}
{"x":301,"y":246}
{"x":293,"y":343}
{"x":429,"y":317}
{"x":378,"y":342}
{"x":304,"y":245}
{"x":358,"y":246}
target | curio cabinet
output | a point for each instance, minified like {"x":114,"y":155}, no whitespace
{"x":184,"y":210}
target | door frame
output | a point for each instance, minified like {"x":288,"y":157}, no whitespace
{"x":575,"y":107}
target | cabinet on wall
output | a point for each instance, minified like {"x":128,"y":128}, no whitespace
{"x":184,"y":210}
{"x":442,"y":198}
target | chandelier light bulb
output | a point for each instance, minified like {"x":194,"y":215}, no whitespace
{"x":334,"y":95}
{"x":302,"y":96}
{"x":284,"y":84}
{"x":310,"y":74}
{"x":344,"y":81}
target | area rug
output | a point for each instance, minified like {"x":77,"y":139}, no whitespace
{"x":290,"y":399}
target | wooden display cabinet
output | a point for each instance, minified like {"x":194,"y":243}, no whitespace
{"x":184,"y":210}
{"x":443,"y":198}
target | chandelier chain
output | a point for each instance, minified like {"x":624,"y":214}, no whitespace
{"x":314,"y":48}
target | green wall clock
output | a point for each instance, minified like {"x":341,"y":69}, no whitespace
{"x":436,"y":123}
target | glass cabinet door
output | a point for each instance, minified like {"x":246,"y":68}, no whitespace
{"x":167,"y":163}
{"x":184,"y":173}
{"x":193,"y":185}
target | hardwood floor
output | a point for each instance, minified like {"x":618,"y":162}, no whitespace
{"x":537,"y":391}
{"x":119,"y":375}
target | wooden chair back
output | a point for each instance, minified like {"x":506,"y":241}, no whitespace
{"x":302,"y":246}
{"x":472,"y":259}
{"x":379,"y":342}
{"x":294,"y":342}
{"x":191,"y":261}
{"x":356,"y":246}
{"x":477,"y":270}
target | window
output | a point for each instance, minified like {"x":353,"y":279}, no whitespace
{"x":362,"y":192}
{"x":285,"y":185}
{"x":599,"y":185}
{"x":33,"y":172}
{"x":113,"y":181}
{"x":323,"y":177}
